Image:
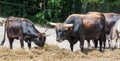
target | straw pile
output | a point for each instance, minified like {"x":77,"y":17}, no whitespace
{"x":54,"y":53}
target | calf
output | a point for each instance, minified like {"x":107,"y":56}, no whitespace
{"x":22,"y":29}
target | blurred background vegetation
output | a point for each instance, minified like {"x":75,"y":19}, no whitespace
{"x":44,"y":11}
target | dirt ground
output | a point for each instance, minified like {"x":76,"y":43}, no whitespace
{"x":54,"y":51}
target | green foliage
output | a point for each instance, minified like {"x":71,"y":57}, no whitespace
{"x":91,"y":1}
{"x":40,"y":18}
{"x":117,"y":2}
{"x":44,"y":11}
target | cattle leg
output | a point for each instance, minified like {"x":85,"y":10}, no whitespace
{"x":100,"y":42}
{"x":104,"y":44}
{"x":11,"y":42}
{"x":116,"y":43}
{"x":96,"y":43}
{"x":29,"y":44}
{"x":100,"y":45}
{"x":72,"y":42}
{"x":71,"y":46}
{"x":101,"y":39}
{"x":22,"y":43}
{"x":104,"y":41}
{"x":2,"y":43}
{"x":109,"y":44}
{"x":81,"y":44}
{"x":88,"y":43}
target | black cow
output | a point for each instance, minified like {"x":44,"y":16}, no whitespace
{"x":22,"y":29}
{"x":81,"y":27}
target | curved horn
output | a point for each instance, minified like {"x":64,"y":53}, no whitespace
{"x":54,"y":24}
{"x":68,"y":25}
{"x":45,"y":30}
{"x":48,"y":35}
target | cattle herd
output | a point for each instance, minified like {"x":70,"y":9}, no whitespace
{"x":93,"y":26}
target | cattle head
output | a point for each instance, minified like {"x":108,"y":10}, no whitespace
{"x":62,"y":30}
{"x":40,"y":40}
{"x":113,"y":42}
{"x":113,"y":38}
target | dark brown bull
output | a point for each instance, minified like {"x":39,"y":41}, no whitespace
{"x":22,"y":29}
{"x":81,"y":27}
{"x":111,"y":19}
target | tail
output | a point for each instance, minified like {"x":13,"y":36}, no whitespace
{"x":2,"y":43}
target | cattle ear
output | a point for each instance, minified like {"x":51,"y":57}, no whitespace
{"x":68,"y":25}
{"x":54,"y":24}
{"x":41,"y":34}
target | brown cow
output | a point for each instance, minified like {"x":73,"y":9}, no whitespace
{"x":22,"y":29}
{"x":81,"y":27}
{"x":111,"y":19}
